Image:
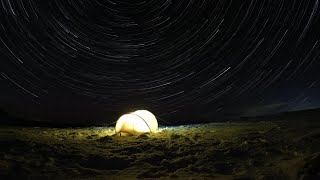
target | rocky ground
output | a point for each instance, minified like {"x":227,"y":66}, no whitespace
{"x":247,"y":150}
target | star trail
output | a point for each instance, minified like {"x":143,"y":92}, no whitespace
{"x":166,"y":56}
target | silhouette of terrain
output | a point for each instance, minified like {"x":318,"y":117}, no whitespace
{"x":307,"y":115}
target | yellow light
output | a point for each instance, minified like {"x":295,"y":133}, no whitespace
{"x":141,"y":121}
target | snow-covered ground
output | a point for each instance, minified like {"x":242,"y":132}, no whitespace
{"x":260,"y":150}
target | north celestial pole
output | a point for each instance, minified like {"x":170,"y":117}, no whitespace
{"x":171,"y":57}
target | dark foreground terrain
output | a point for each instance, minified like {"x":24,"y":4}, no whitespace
{"x":281,"y":149}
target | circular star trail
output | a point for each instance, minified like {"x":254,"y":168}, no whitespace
{"x":160,"y":54}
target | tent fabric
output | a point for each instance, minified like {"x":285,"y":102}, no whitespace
{"x":141,"y":121}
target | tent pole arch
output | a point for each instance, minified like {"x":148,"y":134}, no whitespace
{"x":143,"y":121}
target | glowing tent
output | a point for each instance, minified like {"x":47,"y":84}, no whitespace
{"x":141,"y":121}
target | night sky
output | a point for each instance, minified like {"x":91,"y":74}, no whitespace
{"x":92,"y":60}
